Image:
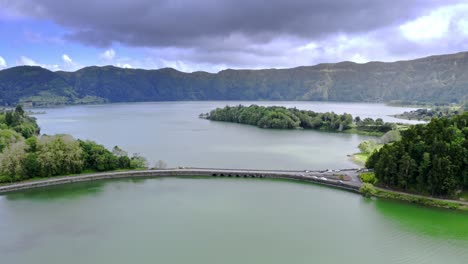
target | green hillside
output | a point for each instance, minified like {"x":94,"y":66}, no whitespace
{"x":441,"y":79}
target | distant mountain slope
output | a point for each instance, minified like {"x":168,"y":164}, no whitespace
{"x":441,"y":78}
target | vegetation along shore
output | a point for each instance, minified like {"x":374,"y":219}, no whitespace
{"x":426,"y":114}
{"x":430,"y":160}
{"x":25,"y":154}
{"x":276,"y":117}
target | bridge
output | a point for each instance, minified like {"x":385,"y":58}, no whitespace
{"x":346,"y":179}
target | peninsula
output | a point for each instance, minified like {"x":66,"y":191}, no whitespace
{"x":277,"y":117}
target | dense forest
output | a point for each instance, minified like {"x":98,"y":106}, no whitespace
{"x":291,"y":118}
{"x":439,"y":79}
{"x":25,"y":154}
{"x":429,"y":159}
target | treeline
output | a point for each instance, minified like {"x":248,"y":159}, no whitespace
{"x":371,"y":125}
{"x":435,"y":111}
{"x":290,"y":118}
{"x":17,"y":123}
{"x":28,"y":155}
{"x":429,"y":159}
{"x":281,"y":117}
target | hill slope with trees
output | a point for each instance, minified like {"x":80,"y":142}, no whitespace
{"x":442,"y":79}
{"x":429,"y":159}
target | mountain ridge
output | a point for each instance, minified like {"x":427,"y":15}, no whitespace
{"x":436,"y":78}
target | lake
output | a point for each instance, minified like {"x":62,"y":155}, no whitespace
{"x":172,"y":132}
{"x":222,"y":220}
{"x":219,"y":220}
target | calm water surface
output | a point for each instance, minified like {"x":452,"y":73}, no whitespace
{"x":209,"y":220}
{"x":215,"y":220}
{"x":172,"y":131}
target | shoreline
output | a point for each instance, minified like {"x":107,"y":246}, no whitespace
{"x":223,"y":100}
{"x":351,"y":185}
{"x":420,"y":199}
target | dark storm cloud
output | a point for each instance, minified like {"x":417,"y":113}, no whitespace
{"x":200,"y":24}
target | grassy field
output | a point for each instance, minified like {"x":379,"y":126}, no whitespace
{"x":364,"y":133}
{"x":360,"y":158}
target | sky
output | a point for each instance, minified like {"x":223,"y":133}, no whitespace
{"x":212,"y":35}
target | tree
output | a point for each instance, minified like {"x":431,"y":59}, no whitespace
{"x":8,"y":137}
{"x":138,"y":162}
{"x":19,"y":110}
{"x":429,"y":159}
{"x":9,"y":118}
{"x":59,"y":155}
{"x":117,"y":151}
{"x":32,"y":167}
{"x":12,"y":161}
{"x":390,"y":136}
{"x":367,"y":189}
{"x":367,"y":146}
{"x":161,"y":164}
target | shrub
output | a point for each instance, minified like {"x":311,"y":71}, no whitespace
{"x":367,"y":190}
{"x":368,"y":177}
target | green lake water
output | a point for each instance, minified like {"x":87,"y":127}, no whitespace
{"x":218,"y":220}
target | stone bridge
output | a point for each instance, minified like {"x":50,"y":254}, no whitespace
{"x":346,"y":179}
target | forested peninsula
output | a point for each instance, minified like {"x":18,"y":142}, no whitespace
{"x":439,"y":79}
{"x":278,"y":117}
{"x":25,"y":154}
{"x":429,"y":159}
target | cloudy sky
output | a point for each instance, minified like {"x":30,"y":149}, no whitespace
{"x":212,"y":35}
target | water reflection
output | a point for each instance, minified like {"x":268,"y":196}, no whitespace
{"x":66,"y":191}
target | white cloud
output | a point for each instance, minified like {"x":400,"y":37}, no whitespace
{"x":124,"y":65}
{"x":108,"y":54}
{"x":358,"y":58}
{"x":69,"y":64}
{"x":463,"y":26}
{"x":308,"y":47}
{"x":436,"y":25}
{"x":23,"y":60}
{"x":3,"y":63}
{"x":66,"y":59}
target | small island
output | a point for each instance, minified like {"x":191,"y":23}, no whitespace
{"x":277,"y":117}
